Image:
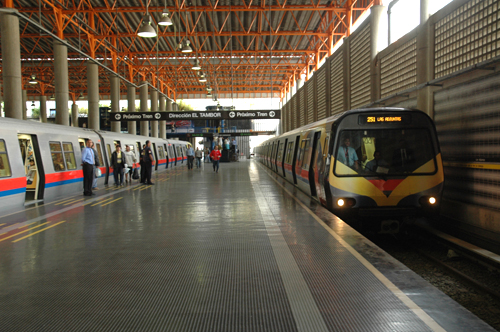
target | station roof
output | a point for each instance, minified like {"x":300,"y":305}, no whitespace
{"x":246,"y":48}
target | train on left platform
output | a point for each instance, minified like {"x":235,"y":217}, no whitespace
{"x":378,"y":167}
{"x":40,"y":161}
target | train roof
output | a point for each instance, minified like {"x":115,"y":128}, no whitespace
{"x":340,"y":115}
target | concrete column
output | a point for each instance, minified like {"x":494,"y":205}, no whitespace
{"x":425,"y":60}
{"x":175,"y":107}
{"x":143,"y":95}
{"x":24,"y":95}
{"x":299,"y":83}
{"x":74,"y":114}
{"x":169,"y":105}
{"x":290,"y":94}
{"x":11,"y":66}
{"x":163,"y":124}
{"x":61,"y":83}
{"x":154,"y":108}
{"x":93,"y":95}
{"x":115,"y":101}
{"x":132,"y":129}
{"x":43,"y":109}
{"x":376,"y":27}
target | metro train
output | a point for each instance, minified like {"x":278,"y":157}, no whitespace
{"x":41,"y":161}
{"x":379,"y":167}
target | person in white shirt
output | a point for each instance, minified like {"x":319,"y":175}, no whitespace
{"x":130,"y":160}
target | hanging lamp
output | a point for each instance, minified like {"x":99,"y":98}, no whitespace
{"x":33,"y":103}
{"x":201,"y":77}
{"x":33,"y":80}
{"x":165,"y":18}
{"x":196,"y":65}
{"x":146,"y":30}
{"x":186,"y":48}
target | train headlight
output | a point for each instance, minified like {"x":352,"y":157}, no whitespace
{"x":346,"y":202}
{"x":340,"y":202}
{"x":432,"y":200}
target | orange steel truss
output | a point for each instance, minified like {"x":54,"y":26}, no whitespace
{"x":248,"y":46}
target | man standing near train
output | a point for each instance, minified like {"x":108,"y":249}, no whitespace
{"x":88,"y":162}
{"x":148,"y":160}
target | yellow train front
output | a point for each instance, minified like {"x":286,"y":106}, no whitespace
{"x":378,"y":166}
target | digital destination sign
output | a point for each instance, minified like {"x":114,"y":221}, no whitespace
{"x":384,"y":118}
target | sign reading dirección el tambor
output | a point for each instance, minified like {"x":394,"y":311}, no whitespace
{"x":194,"y":115}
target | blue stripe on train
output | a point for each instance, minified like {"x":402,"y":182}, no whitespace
{"x":12,"y":192}
{"x":60,"y":183}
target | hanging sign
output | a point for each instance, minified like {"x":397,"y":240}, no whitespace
{"x":195,"y":115}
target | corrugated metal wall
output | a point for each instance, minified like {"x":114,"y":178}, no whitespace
{"x":467,"y":118}
{"x":321,"y":92}
{"x":310,"y":101}
{"x":302,"y":107}
{"x":399,"y":68}
{"x":360,"y":67}
{"x":293,"y":115}
{"x":337,"y":81}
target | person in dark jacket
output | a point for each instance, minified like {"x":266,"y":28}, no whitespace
{"x":117,"y":161}
{"x":148,"y":163}
{"x":141,"y":163}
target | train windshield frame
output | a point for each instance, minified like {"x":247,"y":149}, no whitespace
{"x":382,"y":152}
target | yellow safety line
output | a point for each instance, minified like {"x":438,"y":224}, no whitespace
{"x":494,"y":166}
{"x":2,"y":224}
{"x":60,"y":200}
{"x":78,"y":200}
{"x":27,"y":230}
{"x":44,"y":229}
{"x":112,"y":201}
{"x":145,"y":188}
{"x":100,"y":202}
{"x":140,"y":187}
{"x":66,"y":201}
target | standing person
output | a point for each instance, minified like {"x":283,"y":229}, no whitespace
{"x":198,"y":154}
{"x":207,"y":155}
{"x":148,"y":160}
{"x":130,"y":160}
{"x":190,"y":155}
{"x":118,"y":161}
{"x":215,"y":155}
{"x":96,"y":165}
{"x":88,"y":168}
{"x":141,"y":163}
{"x":347,"y":155}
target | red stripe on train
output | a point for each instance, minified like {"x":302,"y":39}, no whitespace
{"x":15,"y":183}
{"x":63,"y":176}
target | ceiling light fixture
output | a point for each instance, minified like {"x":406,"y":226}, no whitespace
{"x":146,"y":30}
{"x":33,"y":103}
{"x":202,"y":78}
{"x":165,"y":19}
{"x":186,"y":48}
{"x":33,"y":80}
{"x":209,"y":88}
{"x":196,"y":65}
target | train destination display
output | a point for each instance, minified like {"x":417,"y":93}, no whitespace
{"x":384,"y":118}
{"x":195,"y":115}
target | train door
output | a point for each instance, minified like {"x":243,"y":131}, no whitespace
{"x":155,"y":154}
{"x":294,"y":159}
{"x":313,"y":169}
{"x":33,"y":166}
{"x":276,"y":156}
{"x":322,"y":183}
{"x":167,"y":154}
{"x":271,"y":154}
{"x":283,"y":149}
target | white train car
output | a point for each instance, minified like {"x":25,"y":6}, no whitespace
{"x":40,"y":161}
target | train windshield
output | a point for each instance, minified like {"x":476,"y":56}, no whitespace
{"x":384,"y":152}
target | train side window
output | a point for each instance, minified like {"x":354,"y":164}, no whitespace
{"x":160,"y":152}
{"x":280,"y":152}
{"x":302,"y":150}
{"x":69,"y":155}
{"x":305,"y":154}
{"x":57,"y":157}
{"x":99,"y":153}
{"x":4,"y":161}
{"x":289,"y":153}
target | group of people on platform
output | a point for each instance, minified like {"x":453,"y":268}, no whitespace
{"x":123,"y":163}
{"x":214,"y":156}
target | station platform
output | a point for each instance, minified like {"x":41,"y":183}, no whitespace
{"x":237,"y":250}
